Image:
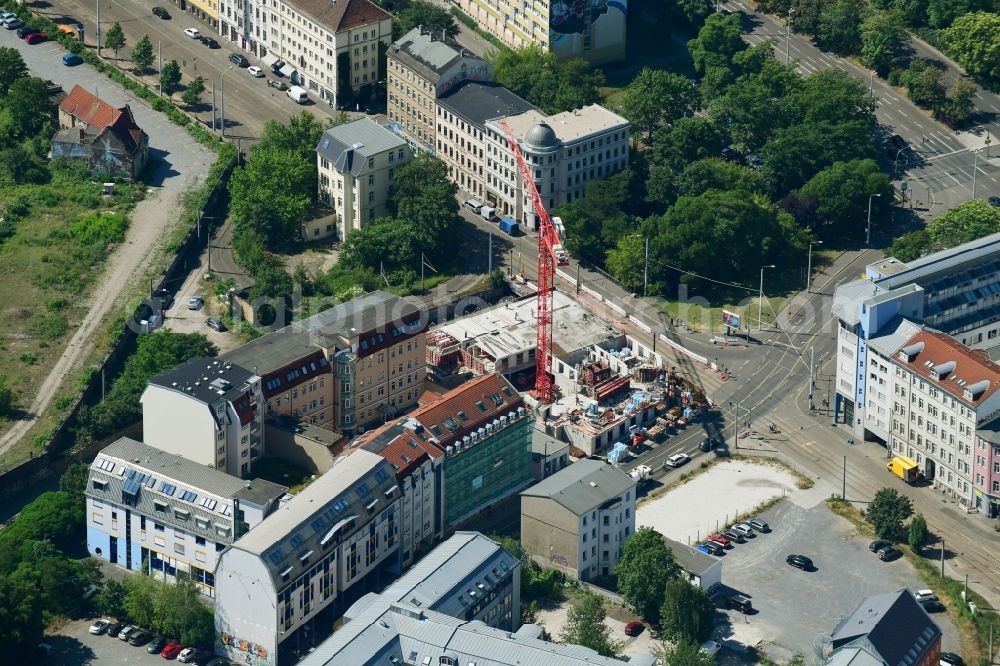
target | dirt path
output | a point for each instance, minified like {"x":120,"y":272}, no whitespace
{"x":148,"y":222}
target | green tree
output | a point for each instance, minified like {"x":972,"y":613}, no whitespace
{"x":21,"y":621}
{"x":917,"y":534}
{"x":424,"y":197}
{"x":717,"y":42}
{"x":596,"y":222}
{"x":695,"y":11}
{"x":942,"y":13}
{"x":141,"y":593}
{"x":114,"y":39}
{"x":111,"y":598}
{"x":27,"y":107}
{"x":656,"y":97}
{"x":74,"y":480}
{"x":550,"y":84}
{"x":840,"y":26}
{"x":55,"y":517}
{"x":883,"y":38}
{"x":645,"y":567}
{"x":910,"y":246}
{"x":585,"y":626}
{"x":142,"y":53}
{"x":687,"y":613}
{"x":887,"y":511}
{"x":796,"y":153}
{"x":965,"y":222}
{"x":974,"y":41}
{"x":12,"y":68}
{"x":958,"y":105}
{"x":430,"y":17}
{"x":924,"y":84}
{"x":271,"y":280}
{"x":170,"y":77}
{"x":688,"y":140}
{"x":660,"y":188}
{"x":192,"y":94}
{"x":275,"y":212}
{"x":8,"y":397}
{"x":682,"y":653}
{"x":842,"y":191}
{"x":808,"y":15}
{"x":179,"y":611}
{"x":717,"y":174}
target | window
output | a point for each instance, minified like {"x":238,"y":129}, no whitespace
{"x":188,"y":496}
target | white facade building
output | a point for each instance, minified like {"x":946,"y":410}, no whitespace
{"x":565,"y":151}
{"x":148,"y":510}
{"x":358,"y":163}
{"x":281,"y":587}
{"x":208,"y":411}
{"x":323,"y":46}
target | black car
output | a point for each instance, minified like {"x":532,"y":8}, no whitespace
{"x":898,"y":142}
{"x":156,"y":645}
{"x":114,"y":629}
{"x":888,"y":553}
{"x":800,"y":561}
{"x":161,"y":12}
{"x":952,"y":658}
{"x":215,"y":324}
{"x":706,"y":445}
{"x":729,"y":154}
{"x":740,"y":603}
{"x":877,"y":545}
{"x":933,"y":606}
{"x":993,"y":201}
{"x":733,"y":535}
{"x":238,"y":59}
{"x":209,"y":42}
{"x":165,"y":298}
{"x":24,"y":31}
{"x":715,"y":548}
{"x":140,"y":637}
{"x":759,"y":525}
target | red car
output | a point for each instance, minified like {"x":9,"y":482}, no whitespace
{"x":36,"y":38}
{"x":633,"y":628}
{"x":171,"y":650}
{"x":721,"y":540}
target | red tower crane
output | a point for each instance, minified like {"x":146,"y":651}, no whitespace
{"x":548,"y":259}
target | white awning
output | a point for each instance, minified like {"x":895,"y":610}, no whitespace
{"x":288,"y":70}
{"x":269,"y":59}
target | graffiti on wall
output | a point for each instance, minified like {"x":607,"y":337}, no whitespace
{"x":560,"y":560}
{"x":252,"y":653}
{"x":479,"y":72}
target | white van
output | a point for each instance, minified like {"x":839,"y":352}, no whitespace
{"x":473,"y":205}
{"x":488,"y":214}
{"x":299,"y":95}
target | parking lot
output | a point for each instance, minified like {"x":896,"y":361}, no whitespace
{"x":74,"y":646}
{"x":794,"y":609}
{"x":552,"y":618}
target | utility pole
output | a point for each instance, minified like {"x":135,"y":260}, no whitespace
{"x":843,"y":490}
{"x":965,"y":595}
{"x":213,"y":106}
{"x":975,"y":167}
{"x":736,"y":426}
{"x":98,"y":30}
{"x":788,"y":34}
{"x":577,"y":276}
{"x":489,"y":270}
{"x":159,"y":65}
{"x":812,"y":381}
{"x":942,"y":558}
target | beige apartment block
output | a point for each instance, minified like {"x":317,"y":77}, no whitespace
{"x":423,"y":67}
{"x":590,"y":29}
{"x":358,"y":163}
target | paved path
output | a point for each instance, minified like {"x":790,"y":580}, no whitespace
{"x":183,"y":165}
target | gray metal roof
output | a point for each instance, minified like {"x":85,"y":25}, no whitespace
{"x":543,"y":444}
{"x":893,"y":624}
{"x":846,"y":298}
{"x":131,"y":459}
{"x":892,"y":336}
{"x":260,"y":492}
{"x":425,"y":53}
{"x":361,"y":480}
{"x":478,"y":102}
{"x":361,"y":315}
{"x":583,"y":486}
{"x":273,"y":351}
{"x":690,"y":560}
{"x":197,"y":379}
{"x":858,"y":655}
{"x":344,"y":144}
{"x":951,"y":260}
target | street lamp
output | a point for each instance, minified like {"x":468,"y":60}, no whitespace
{"x":810,"y":265}
{"x":760,"y":299}
{"x":788,"y":34}
{"x":222,"y":85}
{"x":895,"y":162}
{"x":868,"y":230}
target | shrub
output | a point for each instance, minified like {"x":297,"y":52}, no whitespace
{"x":99,"y":229}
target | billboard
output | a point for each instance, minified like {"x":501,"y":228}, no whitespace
{"x":731,"y":319}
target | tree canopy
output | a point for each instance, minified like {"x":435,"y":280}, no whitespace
{"x":645,"y":567}
{"x":965,"y":222}
{"x":114,"y":38}
{"x":656,"y":97}
{"x":974,"y":41}
{"x":585,"y":626}
{"x":887,"y":511}
{"x":142,"y":53}
{"x":687,"y":613}
{"x":551,"y":85}
{"x":842,"y":191}
{"x":431,"y":17}
{"x":12,"y":68}
{"x":683,"y":653}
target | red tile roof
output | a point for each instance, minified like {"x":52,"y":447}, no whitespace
{"x":361,"y":13}
{"x":340,"y":15}
{"x":926,"y":354}
{"x":399,"y":445}
{"x":476,"y":399}
{"x":88,"y":108}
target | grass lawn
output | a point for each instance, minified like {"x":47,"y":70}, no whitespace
{"x":48,"y":266}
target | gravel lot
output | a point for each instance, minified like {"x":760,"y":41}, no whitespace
{"x":553,"y":618}
{"x":794,"y":608}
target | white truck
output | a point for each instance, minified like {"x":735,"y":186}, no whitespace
{"x":641,"y":473}
{"x":298,"y":94}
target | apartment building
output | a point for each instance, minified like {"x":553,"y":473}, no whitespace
{"x":281,"y":587}
{"x":593,"y":29}
{"x":956,"y":292}
{"x":565,"y":151}
{"x":461,"y":129}
{"x":578,"y":519}
{"x":986,"y":469}
{"x":329,"y":48}
{"x":358,"y":162}
{"x":423,"y":66}
{"x":209,"y":411}
{"x":153,"y":511}
{"x":418,"y":469}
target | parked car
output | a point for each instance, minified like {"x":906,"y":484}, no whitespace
{"x":951,"y":659}
{"x":721,"y":540}
{"x":4,"y":15}
{"x":877,"y":545}
{"x":800,"y":561}
{"x":140,"y":637}
{"x":115,"y":628}
{"x":164,"y":297}
{"x":209,"y":42}
{"x":714,"y":548}
{"x":744,"y":529}
{"x":277,"y":85}
{"x":156,"y":645}
{"x":187,"y":655}
{"x":706,"y":444}
{"x":711,"y":648}
{"x":677,"y":459}
{"x":703,"y":549}
{"x":100,"y":627}
{"x":933,"y":606}
{"x":729,"y":154}
{"x":924,"y":595}
{"x":633,"y":628}
{"x":12,"y":23}
{"x":255,"y":72}
{"x":898,"y":142}
{"x":733,"y":535}
{"x":36,"y":38}
{"x":161,"y":13}
{"x":171,"y":650}
{"x":239,"y":59}
{"x":740,"y":603}
{"x":195,"y":303}
{"x":994,"y":201}
{"x":215,"y":324}
{"x":71,"y":60}
{"x":127,"y":631}
{"x":759,"y":525}
{"x":888,"y":553}
{"x":193,"y":33}
{"x":24,"y":31}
